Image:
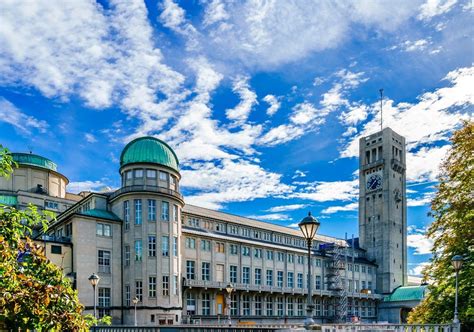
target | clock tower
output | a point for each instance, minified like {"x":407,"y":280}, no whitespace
{"x":382,"y":206}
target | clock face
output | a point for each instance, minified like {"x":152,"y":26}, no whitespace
{"x":374,"y":181}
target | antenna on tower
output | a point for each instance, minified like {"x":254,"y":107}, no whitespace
{"x":30,"y":149}
{"x":381,"y":109}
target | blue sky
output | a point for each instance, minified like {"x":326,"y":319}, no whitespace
{"x":264,"y":102}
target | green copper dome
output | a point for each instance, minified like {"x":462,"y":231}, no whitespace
{"x":149,"y":150}
{"x":34,"y":160}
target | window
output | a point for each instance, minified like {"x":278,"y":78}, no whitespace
{"x":152,"y":246}
{"x":104,"y":301}
{"x":369,"y":285}
{"x":51,"y":205}
{"x":363,"y":284}
{"x":193,"y":222}
{"x":280,"y":279}
{"x":291,"y":258}
{"x":165,"y":246}
{"x":318,"y":282}
{"x":369,"y":269}
{"x":246,"y":275}
{"x":300,"y":280}
{"x":290,"y":280}
{"x":234,"y":249}
{"x":163,"y":176}
{"x":175,"y":213}
{"x":300,"y":259}
{"x":246,"y":232}
{"x":69,"y":229}
{"x":258,"y":305}
{"x":151,"y":173}
{"x":350,"y":267}
{"x":269,"y":306}
{"x":318,"y":262}
{"x":280,"y":256}
{"x":269,"y":277}
{"x":269,"y":255}
{"x":206,"y":304}
{"x":356,"y":286}
{"x":206,"y":271}
{"x":300,"y":307}
{"x":233,"y":305}
{"x":318,"y":307}
{"x":165,"y":211}
{"x":175,"y":285}
{"x":139,"y":290}
{"x":279,"y":302}
{"x":103,"y":229}
{"x":246,"y":305}
{"x":127,"y":255}
{"x":166,"y":286}
{"x":126,"y":214}
{"x":258,"y":253}
{"x":138,"y":211}
{"x":190,"y":272}
{"x":290,"y":307}
{"x":172,"y":182}
{"x":138,"y":173}
{"x":151,"y":210}
{"x":138,"y":250}
{"x":104,"y":261}
{"x":220,"y":247}
{"x":364,"y":269}
{"x":233,"y":230}
{"x":220,"y":228}
{"x":245,"y":251}
{"x":191,"y":304}
{"x":56,"y":249}
{"x":190,"y":243}
{"x":152,"y":286}
{"x":127,"y":295}
{"x":128,"y":175}
{"x":356,"y":268}
{"x":233,"y":274}
{"x":175,"y":246}
{"x":258,"y":276}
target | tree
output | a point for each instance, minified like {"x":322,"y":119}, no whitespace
{"x":34,"y":294}
{"x":452,"y":232}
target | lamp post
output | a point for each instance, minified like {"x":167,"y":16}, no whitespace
{"x":457,"y":264}
{"x":135,"y":300}
{"x":229,"y":288}
{"x":309,"y":226}
{"x":94,"y":280}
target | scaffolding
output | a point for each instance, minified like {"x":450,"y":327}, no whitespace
{"x":336,"y":270}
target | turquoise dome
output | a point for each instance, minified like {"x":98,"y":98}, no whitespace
{"x":149,"y":150}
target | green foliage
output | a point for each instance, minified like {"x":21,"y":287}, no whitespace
{"x":34,"y":294}
{"x":6,"y":162}
{"x":453,"y":234}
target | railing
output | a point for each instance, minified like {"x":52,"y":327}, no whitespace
{"x":388,"y":327}
{"x":196,"y":328}
{"x":154,"y":189}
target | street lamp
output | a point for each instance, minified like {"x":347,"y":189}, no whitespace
{"x":229,"y":288}
{"x":309,"y":226}
{"x":135,"y":300}
{"x":94,"y":280}
{"x":457,"y":264}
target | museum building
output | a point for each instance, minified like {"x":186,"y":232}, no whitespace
{"x":178,"y":260}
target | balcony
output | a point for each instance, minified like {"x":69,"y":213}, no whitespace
{"x":373,"y":164}
{"x":397,"y":166}
{"x":145,"y":188}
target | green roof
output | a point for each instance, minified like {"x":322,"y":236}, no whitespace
{"x":149,"y":150}
{"x":8,"y":200}
{"x":34,"y":160}
{"x":98,"y":213}
{"x":407,"y":293}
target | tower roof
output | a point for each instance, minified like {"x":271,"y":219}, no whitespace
{"x":149,"y":150}
{"x":34,"y":160}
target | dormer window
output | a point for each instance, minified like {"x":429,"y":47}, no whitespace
{"x":138,"y":173}
{"x":163,"y":176}
{"x":151,"y":173}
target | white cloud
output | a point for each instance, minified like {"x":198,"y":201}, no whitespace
{"x":290,"y":207}
{"x":90,"y":138}
{"x":417,"y":240}
{"x":334,"y":209}
{"x":329,"y":191}
{"x":77,"y":187}
{"x":106,"y":56}
{"x":230,"y":181}
{"x":272,"y":217}
{"x":255,"y":32}
{"x":355,"y":115}
{"x":10,"y":114}
{"x":447,"y":105}
{"x":432,"y":8}
{"x":423,"y":200}
{"x":248,"y":99}
{"x":417,"y":45}
{"x":418,"y":269}
{"x":299,"y":174}
{"x":274,"y":104}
